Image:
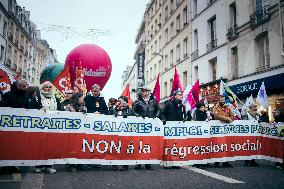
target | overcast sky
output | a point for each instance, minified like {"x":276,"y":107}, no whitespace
{"x":121,"y":17}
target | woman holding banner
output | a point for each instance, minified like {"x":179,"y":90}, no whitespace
{"x":76,"y":104}
{"x":49,"y":103}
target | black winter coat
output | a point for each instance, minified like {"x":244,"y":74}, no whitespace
{"x":173,"y":111}
{"x":125,"y":112}
{"x":151,"y":110}
{"x":15,"y":98}
{"x":264,"y":118}
{"x":96,"y":104}
{"x":64,"y":104}
{"x":200,"y":115}
{"x":33,"y":102}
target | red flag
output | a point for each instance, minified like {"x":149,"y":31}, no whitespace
{"x":193,"y":95}
{"x":79,"y":82}
{"x":62,"y":84}
{"x":176,"y":83}
{"x":126,"y":93}
{"x":157,"y":90}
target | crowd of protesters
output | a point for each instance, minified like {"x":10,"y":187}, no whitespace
{"x":43,"y":98}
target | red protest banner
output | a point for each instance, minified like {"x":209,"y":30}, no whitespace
{"x":35,"y":137}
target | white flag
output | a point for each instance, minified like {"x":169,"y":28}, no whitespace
{"x":249,"y":101}
{"x":262,"y":96}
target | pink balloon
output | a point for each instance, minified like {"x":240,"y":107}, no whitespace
{"x":95,"y":62}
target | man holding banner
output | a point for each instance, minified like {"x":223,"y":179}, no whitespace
{"x":223,"y":113}
{"x":95,"y":103}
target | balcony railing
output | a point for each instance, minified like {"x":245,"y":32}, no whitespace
{"x":194,"y":55}
{"x":233,"y":33}
{"x":259,"y":17}
{"x":212,"y":45}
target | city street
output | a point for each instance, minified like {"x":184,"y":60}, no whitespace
{"x":265,"y":176}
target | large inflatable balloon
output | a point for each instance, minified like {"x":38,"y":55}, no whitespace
{"x":51,"y":72}
{"x":95,"y":63}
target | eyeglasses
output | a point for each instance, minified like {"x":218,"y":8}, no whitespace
{"x":48,"y":87}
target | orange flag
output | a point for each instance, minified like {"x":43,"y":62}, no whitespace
{"x":126,"y":93}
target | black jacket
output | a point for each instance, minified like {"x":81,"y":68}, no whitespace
{"x":33,"y":102}
{"x":95,"y":104}
{"x":15,"y":98}
{"x":173,"y":111}
{"x":200,"y":115}
{"x":264,"y":118}
{"x":64,"y":104}
{"x":124,"y":112}
{"x":150,"y":110}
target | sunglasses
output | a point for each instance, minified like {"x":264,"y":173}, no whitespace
{"x":48,"y":87}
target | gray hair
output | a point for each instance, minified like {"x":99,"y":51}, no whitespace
{"x":21,"y":81}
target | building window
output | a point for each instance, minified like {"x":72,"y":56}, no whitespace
{"x":212,"y":28}
{"x":160,"y":21}
{"x":194,"y":8}
{"x":166,"y":36}
{"x":195,"y":39}
{"x":213,"y":65}
{"x":233,"y":14}
{"x":178,"y":53}
{"x":166,"y":62}
{"x":160,"y":66}
{"x":185,"y":16}
{"x":172,"y":30}
{"x":155,"y":47}
{"x":155,"y":71}
{"x":185,"y":48}
{"x":151,"y":74}
{"x":151,"y":51}
{"x":178,"y":23}
{"x":5,"y":29}
{"x":156,"y":5}
{"x":160,"y":43}
{"x":177,"y":2}
{"x":2,"y":53}
{"x":212,"y":34}
{"x":147,"y":76}
{"x":184,"y":79}
{"x":234,"y":61}
{"x":172,"y":57}
{"x":165,"y":89}
{"x":262,"y":43}
{"x":258,"y":4}
{"x":15,"y":59}
{"x":166,"y":13}
{"x":171,"y":84}
{"x":172,"y":7}
{"x":156,"y":26}
{"x":195,"y":73}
